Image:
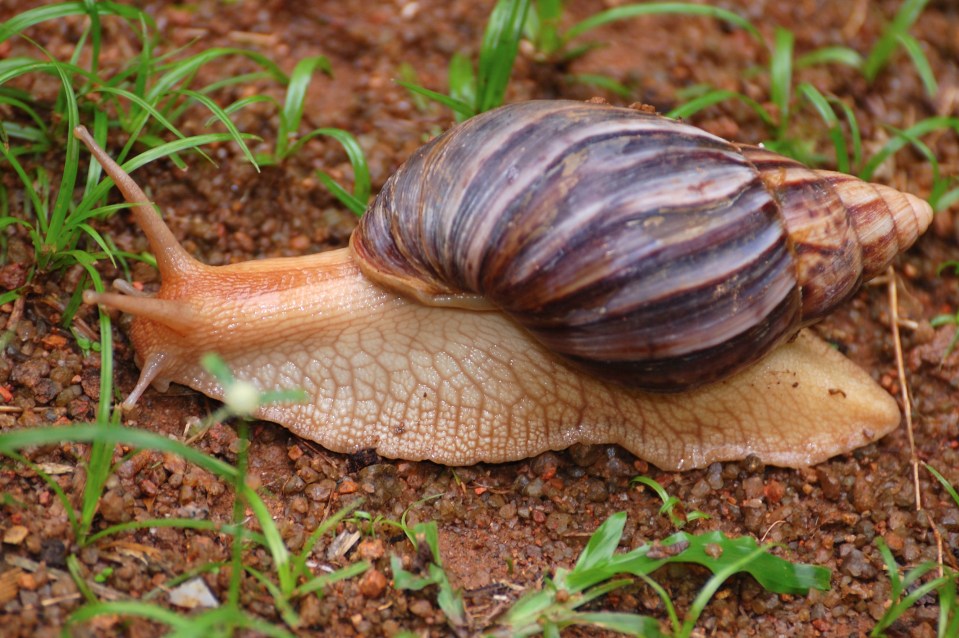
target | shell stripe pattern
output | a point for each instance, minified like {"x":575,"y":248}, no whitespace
{"x":642,"y":248}
{"x":827,"y":250}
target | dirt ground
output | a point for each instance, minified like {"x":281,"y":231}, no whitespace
{"x":502,"y":527}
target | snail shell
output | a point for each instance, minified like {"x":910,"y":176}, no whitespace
{"x":646,"y":250}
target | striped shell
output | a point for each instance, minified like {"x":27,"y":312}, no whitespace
{"x":633,"y":245}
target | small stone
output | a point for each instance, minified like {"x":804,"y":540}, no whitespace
{"x":15,"y":535}
{"x":894,"y":541}
{"x":585,"y":455}
{"x":534,"y":489}
{"x":90,"y":382}
{"x":558,"y":522}
{"x":46,"y":390}
{"x":753,"y":487}
{"x":596,"y":491}
{"x":310,"y":611}
{"x":348,"y":486}
{"x":173,"y":463}
{"x":54,"y":552}
{"x":863,"y":494}
{"x":829,"y":483}
{"x":371,"y":549}
{"x":373,"y":583}
{"x":856,"y":565}
{"x":545,"y":465}
{"x":700,"y":489}
{"x":714,"y":476}
{"x":293,"y":485}
{"x":421,"y":608}
{"x":30,"y":372}
{"x":27,"y":581}
{"x":753,"y":464}
{"x":320,"y":492}
{"x":112,"y":507}
{"x":192,"y":594}
{"x":774,"y":491}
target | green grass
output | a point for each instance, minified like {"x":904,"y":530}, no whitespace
{"x":672,"y":506}
{"x":600,"y":570}
{"x":289,"y":141}
{"x":450,"y":601}
{"x":142,"y":103}
{"x":149,"y":95}
{"x":472,"y":91}
{"x":907,"y":589}
{"x":291,"y":577}
{"x":476,"y":91}
{"x":897,"y":35}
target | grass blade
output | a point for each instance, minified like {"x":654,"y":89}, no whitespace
{"x":653,"y":8}
{"x":300,"y":80}
{"x":825,"y":110}
{"x":498,"y":52}
{"x":462,"y":82}
{"x":919,"y":60}
{"x":908,"y":13}
{"x":830,"y":55}
{"x":902,"y":138}
{"x":715,"y":97}
{"x":780,"y":76}
{"x":26,"y":19}
{"x":602,"y":543}
{"x":946,"y":485}
{"x":462,"y":109}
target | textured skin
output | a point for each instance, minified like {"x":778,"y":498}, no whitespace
{"x":458,"y":387}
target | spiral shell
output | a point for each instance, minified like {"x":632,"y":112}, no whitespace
{"x":643,"y":249}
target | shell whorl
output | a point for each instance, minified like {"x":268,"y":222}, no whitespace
{"x":644,"y":249}
{"x":844,"y":231}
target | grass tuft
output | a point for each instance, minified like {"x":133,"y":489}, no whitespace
{"x":599,"y":570}
{"x":672,"y":506}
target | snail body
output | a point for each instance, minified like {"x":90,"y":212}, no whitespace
{"x":551,"y":273}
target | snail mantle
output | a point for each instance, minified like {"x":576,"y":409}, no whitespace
{"x":551,"y":273}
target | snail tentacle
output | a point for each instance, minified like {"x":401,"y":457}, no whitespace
{"x":176,"y":316}
{"x":172,"y":259}
{"x":151,"y":373}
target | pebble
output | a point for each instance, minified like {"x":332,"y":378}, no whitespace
{"x":585,"y":455}
{"x":558,"y":522}
{"x":753,"y":487}
{"x":320,"y":492}
{"x":828,"y":483}
{"x":596,"y":491}
{"x":380,"y":482}
{"x":293,"y":485}
{"x":714,"y":476}
{"x":421,"y":608}
{"x":373,"y":583}
{"x":30,"y":372}
{"x":855,"y":563}
{"x":113,"y":507}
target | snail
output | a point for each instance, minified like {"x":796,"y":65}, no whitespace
{"x":551,"y":273}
